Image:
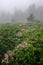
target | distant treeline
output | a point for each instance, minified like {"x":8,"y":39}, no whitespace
{"x":19,"y":15}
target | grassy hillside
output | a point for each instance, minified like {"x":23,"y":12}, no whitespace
{"x":21,"y":43}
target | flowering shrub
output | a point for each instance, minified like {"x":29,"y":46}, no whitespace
{"x":26,"y":56}
{"x":21,"y":45}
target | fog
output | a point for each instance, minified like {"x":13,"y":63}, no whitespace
{"x":20,"y":10}
{"x":10,"y":5}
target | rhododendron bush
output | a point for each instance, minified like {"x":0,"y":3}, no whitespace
{"x":21,"y":44}
{"x":27,"y":55}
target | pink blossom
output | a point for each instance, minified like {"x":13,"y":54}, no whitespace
{"x":16,"y":58}
{"x":6,"y":57}
{"x":12,"y":58}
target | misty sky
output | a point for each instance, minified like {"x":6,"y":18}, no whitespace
{"x":10,"y":5}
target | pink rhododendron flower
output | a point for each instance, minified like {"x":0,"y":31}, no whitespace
{"x":12,"y":58}
{"x":16,"y":58}
{"x":6,"y":57}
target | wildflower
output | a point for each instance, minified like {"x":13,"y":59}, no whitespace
{"x":6,"y":57}
{"x":19,"y":34}
{"x":12,"y":58}
{"x":16,"y":58}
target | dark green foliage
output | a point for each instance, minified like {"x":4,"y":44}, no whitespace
{"x":28,"y":56}
{"x":32,"y":33}
{"x":8,"y":37}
